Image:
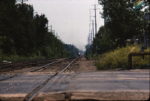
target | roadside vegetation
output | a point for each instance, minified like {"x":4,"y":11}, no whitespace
{"x":124,"y":26}
{"x":25,"y":35}
{"x":118,"y":59}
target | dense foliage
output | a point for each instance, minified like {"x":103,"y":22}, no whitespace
{"x":124,"y":26}
{"x":23,"y":33}
{"x":121,"y":23}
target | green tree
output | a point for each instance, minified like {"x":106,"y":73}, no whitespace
{"x":23,"y":34}
{"x":121,"y":20}
{"x":102,"y":42}
{"x":7,"y":8}
{"x":23,"y":31}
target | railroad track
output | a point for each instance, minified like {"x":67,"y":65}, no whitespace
{"x":40,"y":68}
{"x":10,"y":66}
{"x":30,"y":96}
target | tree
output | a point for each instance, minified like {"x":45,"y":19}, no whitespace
{"x":23,"y":34}
{"x":121,"y":20}
{"x":41,"y":31}
{"x":24,"y":30}
{"x":7,"y":8}
{"x":102,"y":42}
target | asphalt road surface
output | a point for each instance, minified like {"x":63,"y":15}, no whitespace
{"x":106,"y":85}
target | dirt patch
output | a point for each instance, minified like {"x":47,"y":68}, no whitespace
{"x":84,"y":65}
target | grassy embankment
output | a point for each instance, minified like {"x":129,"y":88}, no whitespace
{"x":119,"y":59}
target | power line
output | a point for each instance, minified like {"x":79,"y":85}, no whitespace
{"x":93,"y":24}
{"x":95,"y":18}
{"x":95,"y":9}
{"x":93,"y":31}
{"x":90,"y":37}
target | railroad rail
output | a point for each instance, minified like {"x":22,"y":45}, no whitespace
{"x":33,"y":70}
{"x":9,"y":64}
{"x":45,"y":66}
{"x":34,"y":92}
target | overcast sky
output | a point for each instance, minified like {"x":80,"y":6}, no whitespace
{"x":69,"y":18}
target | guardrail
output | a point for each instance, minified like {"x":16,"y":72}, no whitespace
{"x":135,"y":54}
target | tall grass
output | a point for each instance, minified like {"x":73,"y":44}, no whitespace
{"x":119,"y":59}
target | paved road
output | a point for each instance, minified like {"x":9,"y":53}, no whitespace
{"x":119,"y":85}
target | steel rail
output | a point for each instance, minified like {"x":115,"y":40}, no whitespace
{"x":30,"y":96}
{"x":45,"y":66}
{"x":34,"y":70}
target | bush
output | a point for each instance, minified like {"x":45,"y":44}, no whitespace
{"x":119,"y":59}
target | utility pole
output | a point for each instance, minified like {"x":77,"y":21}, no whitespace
{"x":90,"y":35}
{"x":95,"y":19}
{"x":95,"y":9}
{"x":90,"y":38}
{"x":93,"y":24}
{"x":93,"y":31}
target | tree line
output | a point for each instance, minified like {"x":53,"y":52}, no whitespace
{"x":122,"y":23}
{"x":24,"y":33}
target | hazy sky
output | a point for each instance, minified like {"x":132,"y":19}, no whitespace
{"x":69,"y":18}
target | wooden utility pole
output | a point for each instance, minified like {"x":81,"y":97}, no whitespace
{"x":93,"y":33}
{"x":93,"y":24}
{"x":95,"y":9}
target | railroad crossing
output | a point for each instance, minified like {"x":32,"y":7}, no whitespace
{"x":67,"y":84}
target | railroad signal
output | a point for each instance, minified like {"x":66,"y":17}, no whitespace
{"x":138,"y":4}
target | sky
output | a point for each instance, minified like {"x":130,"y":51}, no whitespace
{"x":69,"y":18}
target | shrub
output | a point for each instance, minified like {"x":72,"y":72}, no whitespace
{"x":119,"y":58}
